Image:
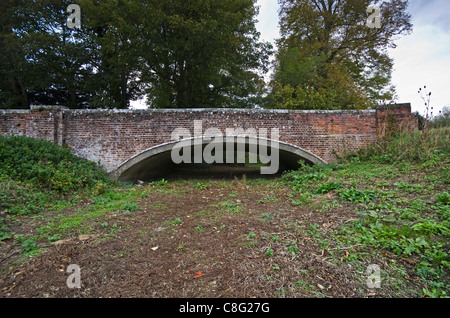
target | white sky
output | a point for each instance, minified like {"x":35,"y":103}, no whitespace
{"x":421,"y":58}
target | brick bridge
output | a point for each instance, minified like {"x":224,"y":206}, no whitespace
{"x":134,"y":144}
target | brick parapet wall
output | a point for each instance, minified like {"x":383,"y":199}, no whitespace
{"x":113,"y":136}
{"x":395,"y":118}
{"x":45,"y":122}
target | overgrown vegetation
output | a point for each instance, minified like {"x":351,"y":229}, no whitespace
{"x":47,"y":165}
{"x":425,"y":147}
{"x":399,"y":187}
{"x":36,"y":175}
{"x":387,"y":205}
{"x":442,"y":119}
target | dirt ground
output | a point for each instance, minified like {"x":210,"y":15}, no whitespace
{"x":231,"y":240}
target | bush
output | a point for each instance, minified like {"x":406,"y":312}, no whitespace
{"x":443,"y":119}
{"x":46,"y":165}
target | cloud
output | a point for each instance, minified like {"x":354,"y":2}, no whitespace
{"x":268,"y":20}
{"x":423,"y":58}
{"x":431,"y":12}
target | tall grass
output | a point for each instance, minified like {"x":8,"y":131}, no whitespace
{"x":419,"y":146}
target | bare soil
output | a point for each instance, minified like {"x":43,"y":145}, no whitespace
{"x":232,"y":239}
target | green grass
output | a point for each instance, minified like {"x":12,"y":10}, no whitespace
{"x":399,"y":189}
{"x":114,"y":202}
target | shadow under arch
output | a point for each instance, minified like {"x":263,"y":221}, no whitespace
{"x":157,"y":161}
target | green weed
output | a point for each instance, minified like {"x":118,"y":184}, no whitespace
{"x":160,"y":183}
{"x":232,"y":207}
{"x":356,"y":195}
{"x":327,"y":187}
{"x":177,"y":221}
{"x":201,"y":186}
{"x":130,"y":207}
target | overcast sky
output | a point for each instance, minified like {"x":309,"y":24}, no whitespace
{"x":421,"y":58}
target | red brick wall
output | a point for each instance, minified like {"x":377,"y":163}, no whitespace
{"x":39,"y":123}
{"x":394,"y":118}
{"x":113,"y":136}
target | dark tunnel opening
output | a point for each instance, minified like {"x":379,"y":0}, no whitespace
{"x":158,"y":163}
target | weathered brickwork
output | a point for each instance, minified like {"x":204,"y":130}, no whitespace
{"x":114,"y":136}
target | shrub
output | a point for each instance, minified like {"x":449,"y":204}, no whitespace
{"x":443,"y":119}
{"x":47,"y":165}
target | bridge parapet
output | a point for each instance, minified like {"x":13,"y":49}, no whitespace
{"x":114,"y":136}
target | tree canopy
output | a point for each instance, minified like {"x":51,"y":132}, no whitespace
{"x":197,"y":54}
{"x":329,"y":58}
{"x":177,"y":53}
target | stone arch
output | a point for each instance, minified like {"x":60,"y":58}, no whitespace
{"x":141,"y":166}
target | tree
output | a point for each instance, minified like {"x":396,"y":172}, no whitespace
{"x":112,"y":29}
{"x":443,"y":118}
{"x":43,"y":61}
{"x":195,"y":53}
{"x":202,"y":53}
{"x":13,"y":71}
{"x":328,"y":57}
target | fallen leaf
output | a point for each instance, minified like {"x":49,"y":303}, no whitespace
{"x":407,"y":261}
{"x":60,"y":242}
{"x":198,"y":274}
{"x":86,"y":237}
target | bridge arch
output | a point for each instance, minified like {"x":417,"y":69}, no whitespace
{"x":156,"y":161}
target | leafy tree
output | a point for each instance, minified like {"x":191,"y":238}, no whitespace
{"x":202,"y":53}
{"x":13,"y":70}
{"x":43,"y":61}
{"x":329,"y":58}
{"x":196,"y":53}
{"x":113,"y":37}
